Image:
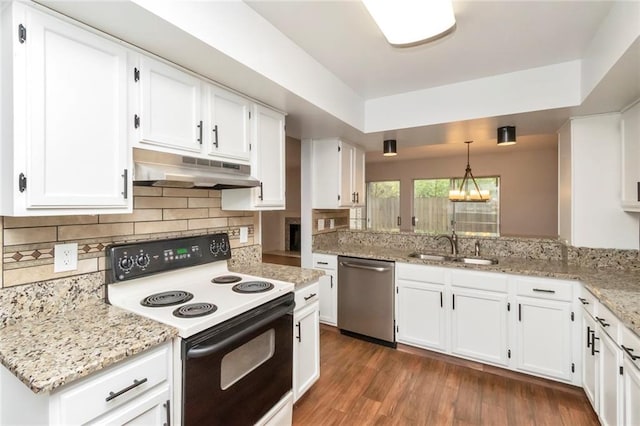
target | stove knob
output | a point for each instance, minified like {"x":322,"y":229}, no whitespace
{"x":126,"y":263}
{"x":142,"y":260}
{"x":213,"y":248}
{"x":224,"y":247}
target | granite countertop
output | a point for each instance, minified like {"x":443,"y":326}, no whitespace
{"x":618,"y":290}
{"x":301,"y":277}
{"x":46,"y":353}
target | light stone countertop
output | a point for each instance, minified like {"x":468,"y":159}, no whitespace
{"x":301,"y":277}
{"x":46,"y":353}
{"x":618,"y":290}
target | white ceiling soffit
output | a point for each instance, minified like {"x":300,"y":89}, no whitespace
{"x":552,"y":58}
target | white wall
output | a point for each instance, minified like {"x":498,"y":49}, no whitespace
{"x":595,"y":218}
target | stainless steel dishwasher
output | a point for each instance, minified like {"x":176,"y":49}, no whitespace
{"x":366,"y":299}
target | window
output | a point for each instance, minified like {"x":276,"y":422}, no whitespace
{"x":433,"y":212}
{"x":383,"y":205}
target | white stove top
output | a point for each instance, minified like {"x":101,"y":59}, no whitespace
{"x":196,"y":280}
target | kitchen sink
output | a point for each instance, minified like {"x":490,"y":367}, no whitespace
{"x":446,"y":258}
{"x":431,"y":256}
{"x":476,"y":260}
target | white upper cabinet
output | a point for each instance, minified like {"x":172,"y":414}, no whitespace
{"x":631,"y":158}
{"x":64,"y":114}
{"x":338,"y":175}
{"x":170,"y":106}
{"x":267,"y":165}
{"x":227,"y":124}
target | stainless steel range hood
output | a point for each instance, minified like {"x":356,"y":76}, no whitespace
{"x":152,"y":168}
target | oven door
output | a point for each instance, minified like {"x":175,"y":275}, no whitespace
{"x":235,"y":372}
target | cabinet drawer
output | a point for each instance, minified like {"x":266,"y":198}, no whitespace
{"x":87,"y":399}
{"x":480,"y":280}
{"x":588,"y":301}
{"x":544,"y":288}
{"x":631,"y":343}
{"x":608,"y":322}
{"x":325,"y":261}
{"x":307,"y":295}
{"x":421,"y":273}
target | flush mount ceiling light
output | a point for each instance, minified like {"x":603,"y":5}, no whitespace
{"x":464,"y":194}
{"x":389,"y":148}
{"x":506,"y":135}
{"x":406,"y":23}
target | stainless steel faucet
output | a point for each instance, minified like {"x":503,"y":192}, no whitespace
{"x":453,"y":239}
{"x":476,"y":248}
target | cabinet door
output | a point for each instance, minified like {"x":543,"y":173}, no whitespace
{"x":306,"y":350}
{"x":77,"y":112}
{"x":421,"y":314}
{"x":543,"y":337}
{"x":268,"y":134}
{"x":479,"y":325}
{"x":609,"y":380}
{"x":358,"y":177}
{"x":345,"y":179}
{"x":631,"y":159}
{"x":328,"y":298}
{"x":631,"y":385}
{"x":170,"y":113}
{"x":590,"y":360}
{"x":227,"y":125}
{"x":151,"y":408}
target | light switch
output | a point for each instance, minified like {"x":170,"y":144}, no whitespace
{"x":244,"y":234}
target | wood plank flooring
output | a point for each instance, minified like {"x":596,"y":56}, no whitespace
{"x":366,"y":384}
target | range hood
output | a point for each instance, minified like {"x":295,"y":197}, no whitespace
{"x":153,"y":168}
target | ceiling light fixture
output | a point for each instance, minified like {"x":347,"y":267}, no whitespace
{"x":406,"y":23}
{"x":389,"y":148}
{"x":506,"y":135}
{"x":463,"y":194}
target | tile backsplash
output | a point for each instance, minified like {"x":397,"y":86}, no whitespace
{"x":28,"y":242}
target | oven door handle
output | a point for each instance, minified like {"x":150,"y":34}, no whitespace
{"x":200,"y":351}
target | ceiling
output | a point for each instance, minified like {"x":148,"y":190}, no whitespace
{"x":491,"y":38}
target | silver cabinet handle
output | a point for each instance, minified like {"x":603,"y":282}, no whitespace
{"x":366,"y":267}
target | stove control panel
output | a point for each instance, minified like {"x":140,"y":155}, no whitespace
{"x":127,"y":261}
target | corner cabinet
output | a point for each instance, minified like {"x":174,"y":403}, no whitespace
{"x":267,"y":165}
{"x":64,"y":118}
{"x":631,"y":158}
{"x":338,"y":174}
{"x":306,"y":340}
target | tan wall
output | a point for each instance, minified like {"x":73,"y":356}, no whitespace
{"x":273,"y":231}
{"x":529,"y":185}
{"x":28,"y":242}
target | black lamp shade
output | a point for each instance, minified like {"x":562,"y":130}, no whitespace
{"x":389,"y":148}
{"x":506,"y":135}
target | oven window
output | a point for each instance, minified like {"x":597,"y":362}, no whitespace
{"x":246,"y":358}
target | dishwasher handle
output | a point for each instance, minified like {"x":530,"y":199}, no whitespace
{"x":366,"y":267}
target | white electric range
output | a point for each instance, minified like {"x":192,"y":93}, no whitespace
{"x":236,"y":330}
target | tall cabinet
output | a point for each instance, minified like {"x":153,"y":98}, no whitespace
{"x":338,"y":174}
{"x":64,"y":116}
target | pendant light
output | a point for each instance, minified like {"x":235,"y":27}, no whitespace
{"x":506,"y":135}
{"x":463,"y":194}
{"x":389,"y":148}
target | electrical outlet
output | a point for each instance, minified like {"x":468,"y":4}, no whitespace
{"x":65,"y":257}
{"x":244,"y":234}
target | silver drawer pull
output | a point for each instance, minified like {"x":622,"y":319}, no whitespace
{"x":310,"y":296}
{"x":135,"y":384}
{"x":544,"y":290}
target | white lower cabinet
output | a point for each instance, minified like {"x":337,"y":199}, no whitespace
{"x":328,"y":287}
{"x":479,"y":325}
{"x":609,"y":380}
{"x":135,"y":391}
{"x":631,"y":391}
{"x":543,"y":337}
{"x":306,"y":340}
{"x":421,"y":315}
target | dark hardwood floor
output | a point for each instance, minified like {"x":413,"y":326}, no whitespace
{"x":366,"y":384}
